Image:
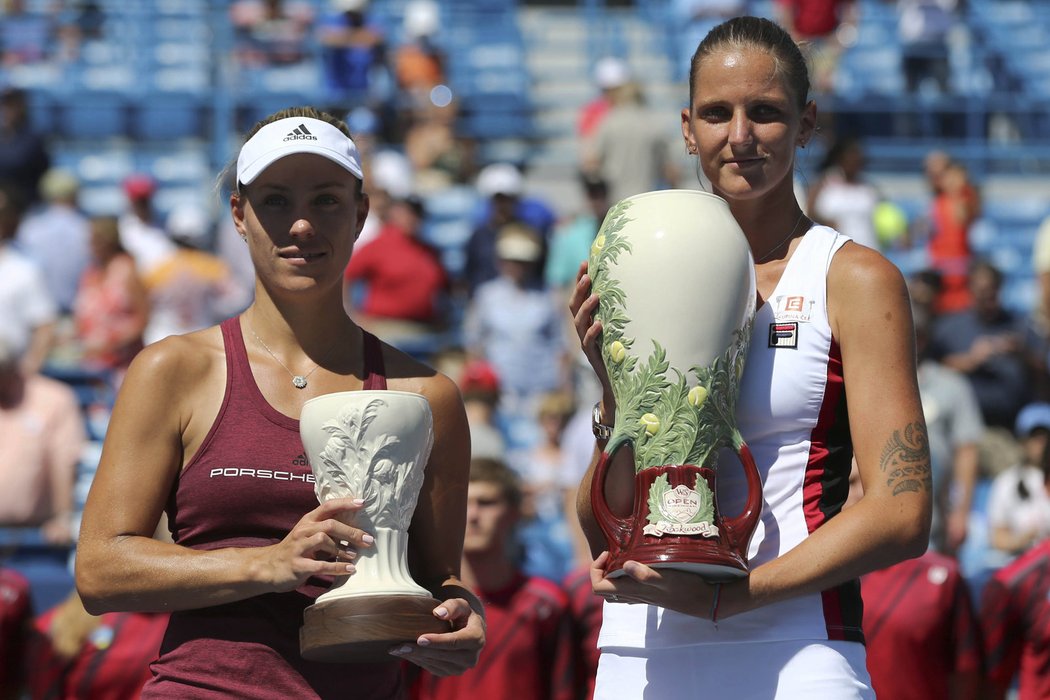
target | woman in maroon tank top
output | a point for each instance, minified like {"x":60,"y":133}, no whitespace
{"x":206,"y":429}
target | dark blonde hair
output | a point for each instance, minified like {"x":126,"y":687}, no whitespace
{"x":107,"y":230}
{"x":764,"y":35}
{"x":306,"y":112}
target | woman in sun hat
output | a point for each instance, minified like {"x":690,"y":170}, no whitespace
{"x":247,"y":550}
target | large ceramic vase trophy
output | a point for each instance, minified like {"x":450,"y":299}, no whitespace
{"x":676,"y":283}
{"x":372,"y":445}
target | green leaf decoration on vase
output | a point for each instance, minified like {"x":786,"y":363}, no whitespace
{"x":669,"y":418}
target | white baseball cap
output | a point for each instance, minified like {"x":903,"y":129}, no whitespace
{"x":349,"y":5}
{"x":292,"y":135}
{"x":189,"y":222}
{"x":518,"y":243}
{"x":422,"y":18}
{"x":500,"y":178}
{"x":611,"y":72}
{"x":392,"y":172}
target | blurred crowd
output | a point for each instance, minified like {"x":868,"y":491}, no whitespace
{"x":83,"y":294}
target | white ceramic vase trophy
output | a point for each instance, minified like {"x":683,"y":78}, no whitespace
{"x":372,"y":445}
{"x":676,"y":283}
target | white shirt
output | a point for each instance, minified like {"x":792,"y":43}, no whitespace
{"x":24,"y":297}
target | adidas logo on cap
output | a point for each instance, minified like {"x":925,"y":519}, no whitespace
{"x":300,"y":133}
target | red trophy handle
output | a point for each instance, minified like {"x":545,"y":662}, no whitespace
{"x":616,"y":529}
{"x":740,"y":529}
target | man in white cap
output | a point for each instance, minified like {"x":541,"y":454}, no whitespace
{"x":29,"y":313}
{"x":502,"y":185}
{"x":517,"y":326}
{"x":58,"y":226}
{"x":610,"y":73}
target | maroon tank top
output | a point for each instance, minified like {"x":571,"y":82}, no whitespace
{"x":247,"y":486}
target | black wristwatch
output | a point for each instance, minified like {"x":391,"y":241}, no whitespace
{"x":600,"y":430}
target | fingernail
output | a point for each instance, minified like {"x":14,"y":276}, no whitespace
{"x":368,"y":539}
{"x":351,"y":553}
{"x":344,"y":543}
{"x":402,"y":650}
{"x":441,"y":612}
{"x":359,"y":501}
{"x":350,"y":569}
{"x":423,"y":642}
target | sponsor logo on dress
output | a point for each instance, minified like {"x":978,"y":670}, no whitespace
{"x":788,"y":308}
{"x":783,"y":335}
{"x":296,"y":473}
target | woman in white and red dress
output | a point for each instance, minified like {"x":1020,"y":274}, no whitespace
{"x":792,"y":627}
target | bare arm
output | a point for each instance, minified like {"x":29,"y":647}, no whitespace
{"x":119,"y":564}
{"x":67,"y":442}
{"x":436,"y":539}
{"x":40,"y":342}
{"x":964,"y":478}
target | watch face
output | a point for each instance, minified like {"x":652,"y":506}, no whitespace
{"x":602,"y":432}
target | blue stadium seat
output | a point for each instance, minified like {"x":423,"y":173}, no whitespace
{"x":162,"y":116}
{"x":46,"y":566}
{"x":89,"y":114}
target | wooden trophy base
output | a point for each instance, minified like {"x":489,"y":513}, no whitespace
{"x":365,"y":628}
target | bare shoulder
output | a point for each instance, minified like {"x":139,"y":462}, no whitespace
{"x":178,"y":359}
{"x":859,"y":269}
{"x":406,"y":373}
{"x":177,"y":368}
{"x":863,"y":284}
{"x":451,"y":432}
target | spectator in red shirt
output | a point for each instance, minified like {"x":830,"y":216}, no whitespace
{"x":529,"y":643}
{"x":403,"y":277}
{"x":586,"y":609}
{"x":956,"y":206}
{"x":1015,"y":617}
{"x":829,"y":26}
{"x":610,"y":73}
{"x":16,"y":614}
{"x":79,"y":656}
{"x":920,"y":629}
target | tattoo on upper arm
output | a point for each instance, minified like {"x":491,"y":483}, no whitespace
{"x":906,"y":460}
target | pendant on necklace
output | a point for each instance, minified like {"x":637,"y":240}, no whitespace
{"x":299,"y":381}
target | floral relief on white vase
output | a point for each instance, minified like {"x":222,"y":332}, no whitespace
{"x":372,"y":445}
{"x":676,"y":383}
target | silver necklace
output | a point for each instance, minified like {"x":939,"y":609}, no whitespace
{"x":298,"y":380}
{"x":780,"y":245}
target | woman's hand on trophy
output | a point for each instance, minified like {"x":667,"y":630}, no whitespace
{"x":450,"y":653}
{"x":320,"y":544}
{"x":583,"y":305}
{"x":680,"y":591}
